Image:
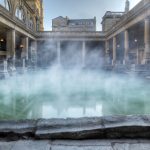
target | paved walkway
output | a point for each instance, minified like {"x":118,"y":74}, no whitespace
{"x":77,"y":145}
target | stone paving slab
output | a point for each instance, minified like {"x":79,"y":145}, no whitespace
{"x":111,"y":127}
{"x":136,"y":126}
{"x":76,"y":145}
{"x":18,"y":127}
{"x":25,"y":145}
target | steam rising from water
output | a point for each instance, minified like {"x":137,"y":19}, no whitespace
{"x":72,"y":93}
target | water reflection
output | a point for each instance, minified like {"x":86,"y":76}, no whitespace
{"x":61,"y":94}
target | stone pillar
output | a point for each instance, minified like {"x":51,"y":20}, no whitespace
{"x":11,"y":45}
{"x":114,"y":51}
{"x":58,"y":52}
{"x":126,"y":46}
{"x":147,"y":40}
{"x":83,"y":54}
{"x":25,"y":49}
{"x":106,"y":52}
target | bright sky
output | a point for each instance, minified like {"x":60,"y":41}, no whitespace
{"x":80,"y":9}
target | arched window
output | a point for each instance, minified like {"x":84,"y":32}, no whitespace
{"x":31,"y":25}
{"x":37,"y":24}
{"x":5,"y":4}
{"x":20,"y":14}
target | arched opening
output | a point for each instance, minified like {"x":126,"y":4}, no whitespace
{"x":37,"y":24}
{"x":5,"y":4}
{"x":20,"y":13}
{"x":30,"y":23}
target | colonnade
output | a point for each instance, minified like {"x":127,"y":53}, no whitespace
{"x":146,"y":56}
{"x":25,"y":45}
{"x":83,"y":52}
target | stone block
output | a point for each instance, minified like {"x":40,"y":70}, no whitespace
{"x":81,"y":148}
{"x":31,"y":145}
{"x":6,"y":145}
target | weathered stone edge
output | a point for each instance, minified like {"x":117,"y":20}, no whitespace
{"x":114,"y":127}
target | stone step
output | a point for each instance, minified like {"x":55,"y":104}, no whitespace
{"x":111,"y":127}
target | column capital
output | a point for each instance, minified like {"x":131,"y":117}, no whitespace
{"x":114,"y":37}
{"x":126,"y":31}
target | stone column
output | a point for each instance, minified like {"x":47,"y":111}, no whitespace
{"x":11,"y":45}
{"x":147,"y":40}
{"x":114,"y":51}
{"x":25,"y":43}
{"x":58,"y":52}
{"x":106,"y":52}
{"x":126,"y":46}
{"x":24,"y":53}
{"x":83,"y":54}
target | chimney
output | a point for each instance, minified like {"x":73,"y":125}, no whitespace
{"x":127,"y":6}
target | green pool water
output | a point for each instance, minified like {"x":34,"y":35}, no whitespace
{"x":58,"y":93}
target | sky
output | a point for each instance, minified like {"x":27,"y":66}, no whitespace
{"x":81,"y":9}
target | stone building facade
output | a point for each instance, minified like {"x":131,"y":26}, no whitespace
{"x":19,"y":22}
{"x":65,"y":24}
{"x":109,"y":19}
{"x":128,"y":39}
{"x":37,"y":6}
{"x":125,"y":38}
